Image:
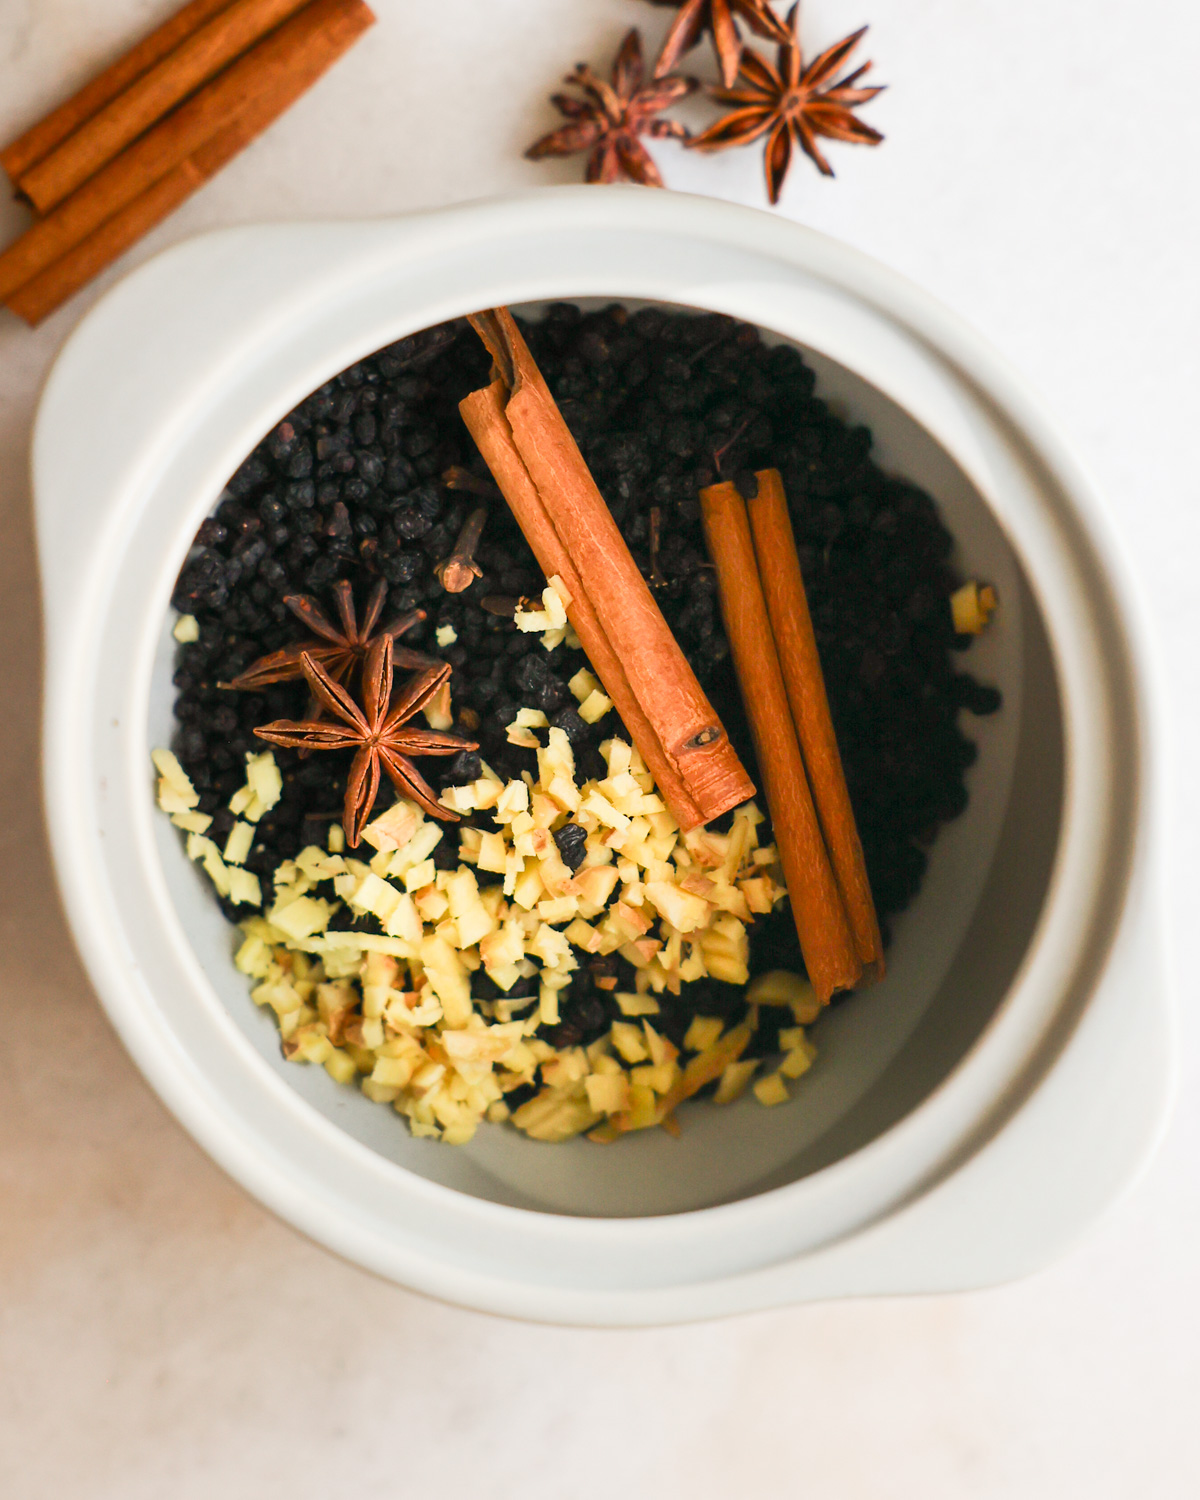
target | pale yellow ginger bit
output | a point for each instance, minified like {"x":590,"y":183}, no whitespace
{"x":420,"y":877}
{"x":393,"y":828}
{"x":636,"y":1005}
{"x":446,"y":635}
{"x":530,"y":620}
{"x":192,"y":822}
{"x":244,"y":887}
{"x":438,"y":712}
{"x":799,"y":1052}
{"x":239,"y":843}
{"x":735,"y":1080}
{"x":771,"y":1090}
{"x":459,"y":799}
{"x":703,"y":1033}
{"x":781,"y":987}
{"x":629,"y":1041}
{"x":186,"y":629}
{"x":557,"y":599}
{"x":417,"y":850}
{"x":583,"y":684}
{"x":557,"y":1115}
{"x":660,"y":1050}
{"x":301,"y":917}
{"x":972,"y":606}
{"x":684,"y":911}
{"x":608,"y":1093}
{"x":593,"y":708}
{"x":176,"y":794}
{"x":658,"y":1077}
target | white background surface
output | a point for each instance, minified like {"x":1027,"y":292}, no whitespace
{"x":160,"y":1335}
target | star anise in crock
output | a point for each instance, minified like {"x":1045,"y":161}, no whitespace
{"x":338,"y":651}
{"x":793,"y":103}
{"x":719,"y":17}
{"x":380,"y":732}
{"x":609,"y":120}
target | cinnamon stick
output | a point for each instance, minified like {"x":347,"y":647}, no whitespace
{"x":800,"y":661}
{"x":40,"y":139}
{"x":300,"y":51}
{"x":688,"y":733}
{"x":39,"y":297}
{"x":484,"y":414}
{"x":42,"y":294}
{"x":821,"y":923}
{"x":144,"y":102}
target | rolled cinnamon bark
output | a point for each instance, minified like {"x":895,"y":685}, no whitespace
{"x":42,"y":294}
{"x":484,"y":414}
{"x":800,"y":661}
{"x":148,"y":99}
{"x":39,"y":297}
{"x":299,"y":51}
{"x":40,"y":139}
{"x":821,"y":923}
{"x":689,"y":733}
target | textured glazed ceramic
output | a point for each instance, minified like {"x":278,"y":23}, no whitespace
{"x":965,"y":1119}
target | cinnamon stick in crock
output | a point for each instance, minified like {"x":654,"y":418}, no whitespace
{"x":301,"y":49}
{"x":826,"y":940}
{"x":686,"y":732}
{"x":42,"y":294}
{"x":40,"y":139}
{"x":800,"y":662}
{"x":484,"y":414}
{"x":198,"y":58}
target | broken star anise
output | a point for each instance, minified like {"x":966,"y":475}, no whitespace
{"x":379,"y":731}
{"x":338,"y":651}
{"x":608,"y":121}
{"x":719,"y":17}
{"x":793,"y":103}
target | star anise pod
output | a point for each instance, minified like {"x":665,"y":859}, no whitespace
{"x":607,"y":122}
{"x":717,"y":16}
{"x":793,"y":103}
{"x":338,"y":651}
{"x":379,"y":731}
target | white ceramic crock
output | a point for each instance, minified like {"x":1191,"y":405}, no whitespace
{"x":964,"y":1120}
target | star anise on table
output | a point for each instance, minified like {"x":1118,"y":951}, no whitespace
{"x":609,"y":120}
{"x":379,"y":731}
{"x":718,"y":17}
{"x":337,"y":650}
{"x":793,"y":103}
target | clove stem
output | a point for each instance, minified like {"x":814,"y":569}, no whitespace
{"x":458,"y":478}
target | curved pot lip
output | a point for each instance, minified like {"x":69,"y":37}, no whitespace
{"x":808,"y":254}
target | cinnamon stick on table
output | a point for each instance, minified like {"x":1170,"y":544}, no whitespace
{"x":538,"y":465}
{"x":39,"y":139}
{"x":146,"y":100}
{"x":826,"y":940}
{"x":290,"y":59}
{"x":39,"y":296}
{"x":800,"y":661}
